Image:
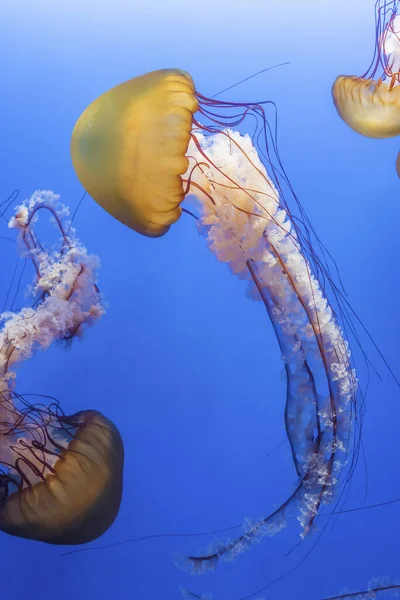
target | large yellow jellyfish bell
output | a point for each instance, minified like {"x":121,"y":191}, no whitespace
{"x":128,"y":149}
{"x":369,"y":107}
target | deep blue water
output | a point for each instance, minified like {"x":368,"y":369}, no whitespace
{"x":183,"y":362}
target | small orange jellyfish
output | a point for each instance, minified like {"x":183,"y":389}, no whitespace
{"x":368,"y":104}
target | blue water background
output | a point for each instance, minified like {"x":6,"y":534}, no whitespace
{"x":187,"y":366}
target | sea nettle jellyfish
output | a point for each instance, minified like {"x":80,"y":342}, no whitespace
{"x":60,"y":476}
{"x":140,"y":150}
{"x":370,"y":103}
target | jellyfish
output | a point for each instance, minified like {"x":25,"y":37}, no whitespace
{"x":128,"y":149}
{"x":60,"y":475}
{"x":370,"y":103}
{"x":140,"y":150}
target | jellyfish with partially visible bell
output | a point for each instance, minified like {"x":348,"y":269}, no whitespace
{"x":370,"y":103}
{"x":139,"y":150}
{"x":60,"y":476}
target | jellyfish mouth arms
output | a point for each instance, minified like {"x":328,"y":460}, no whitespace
{"x":369,"y":107}
{"x":81,"y":500}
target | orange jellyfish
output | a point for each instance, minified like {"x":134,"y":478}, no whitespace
{"x":139,"y":150}
{"x":128,"y":149}
{"x":60,"y":476}
{"x":370,"y":103}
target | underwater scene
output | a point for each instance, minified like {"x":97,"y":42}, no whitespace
{"x":199,"y":290}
